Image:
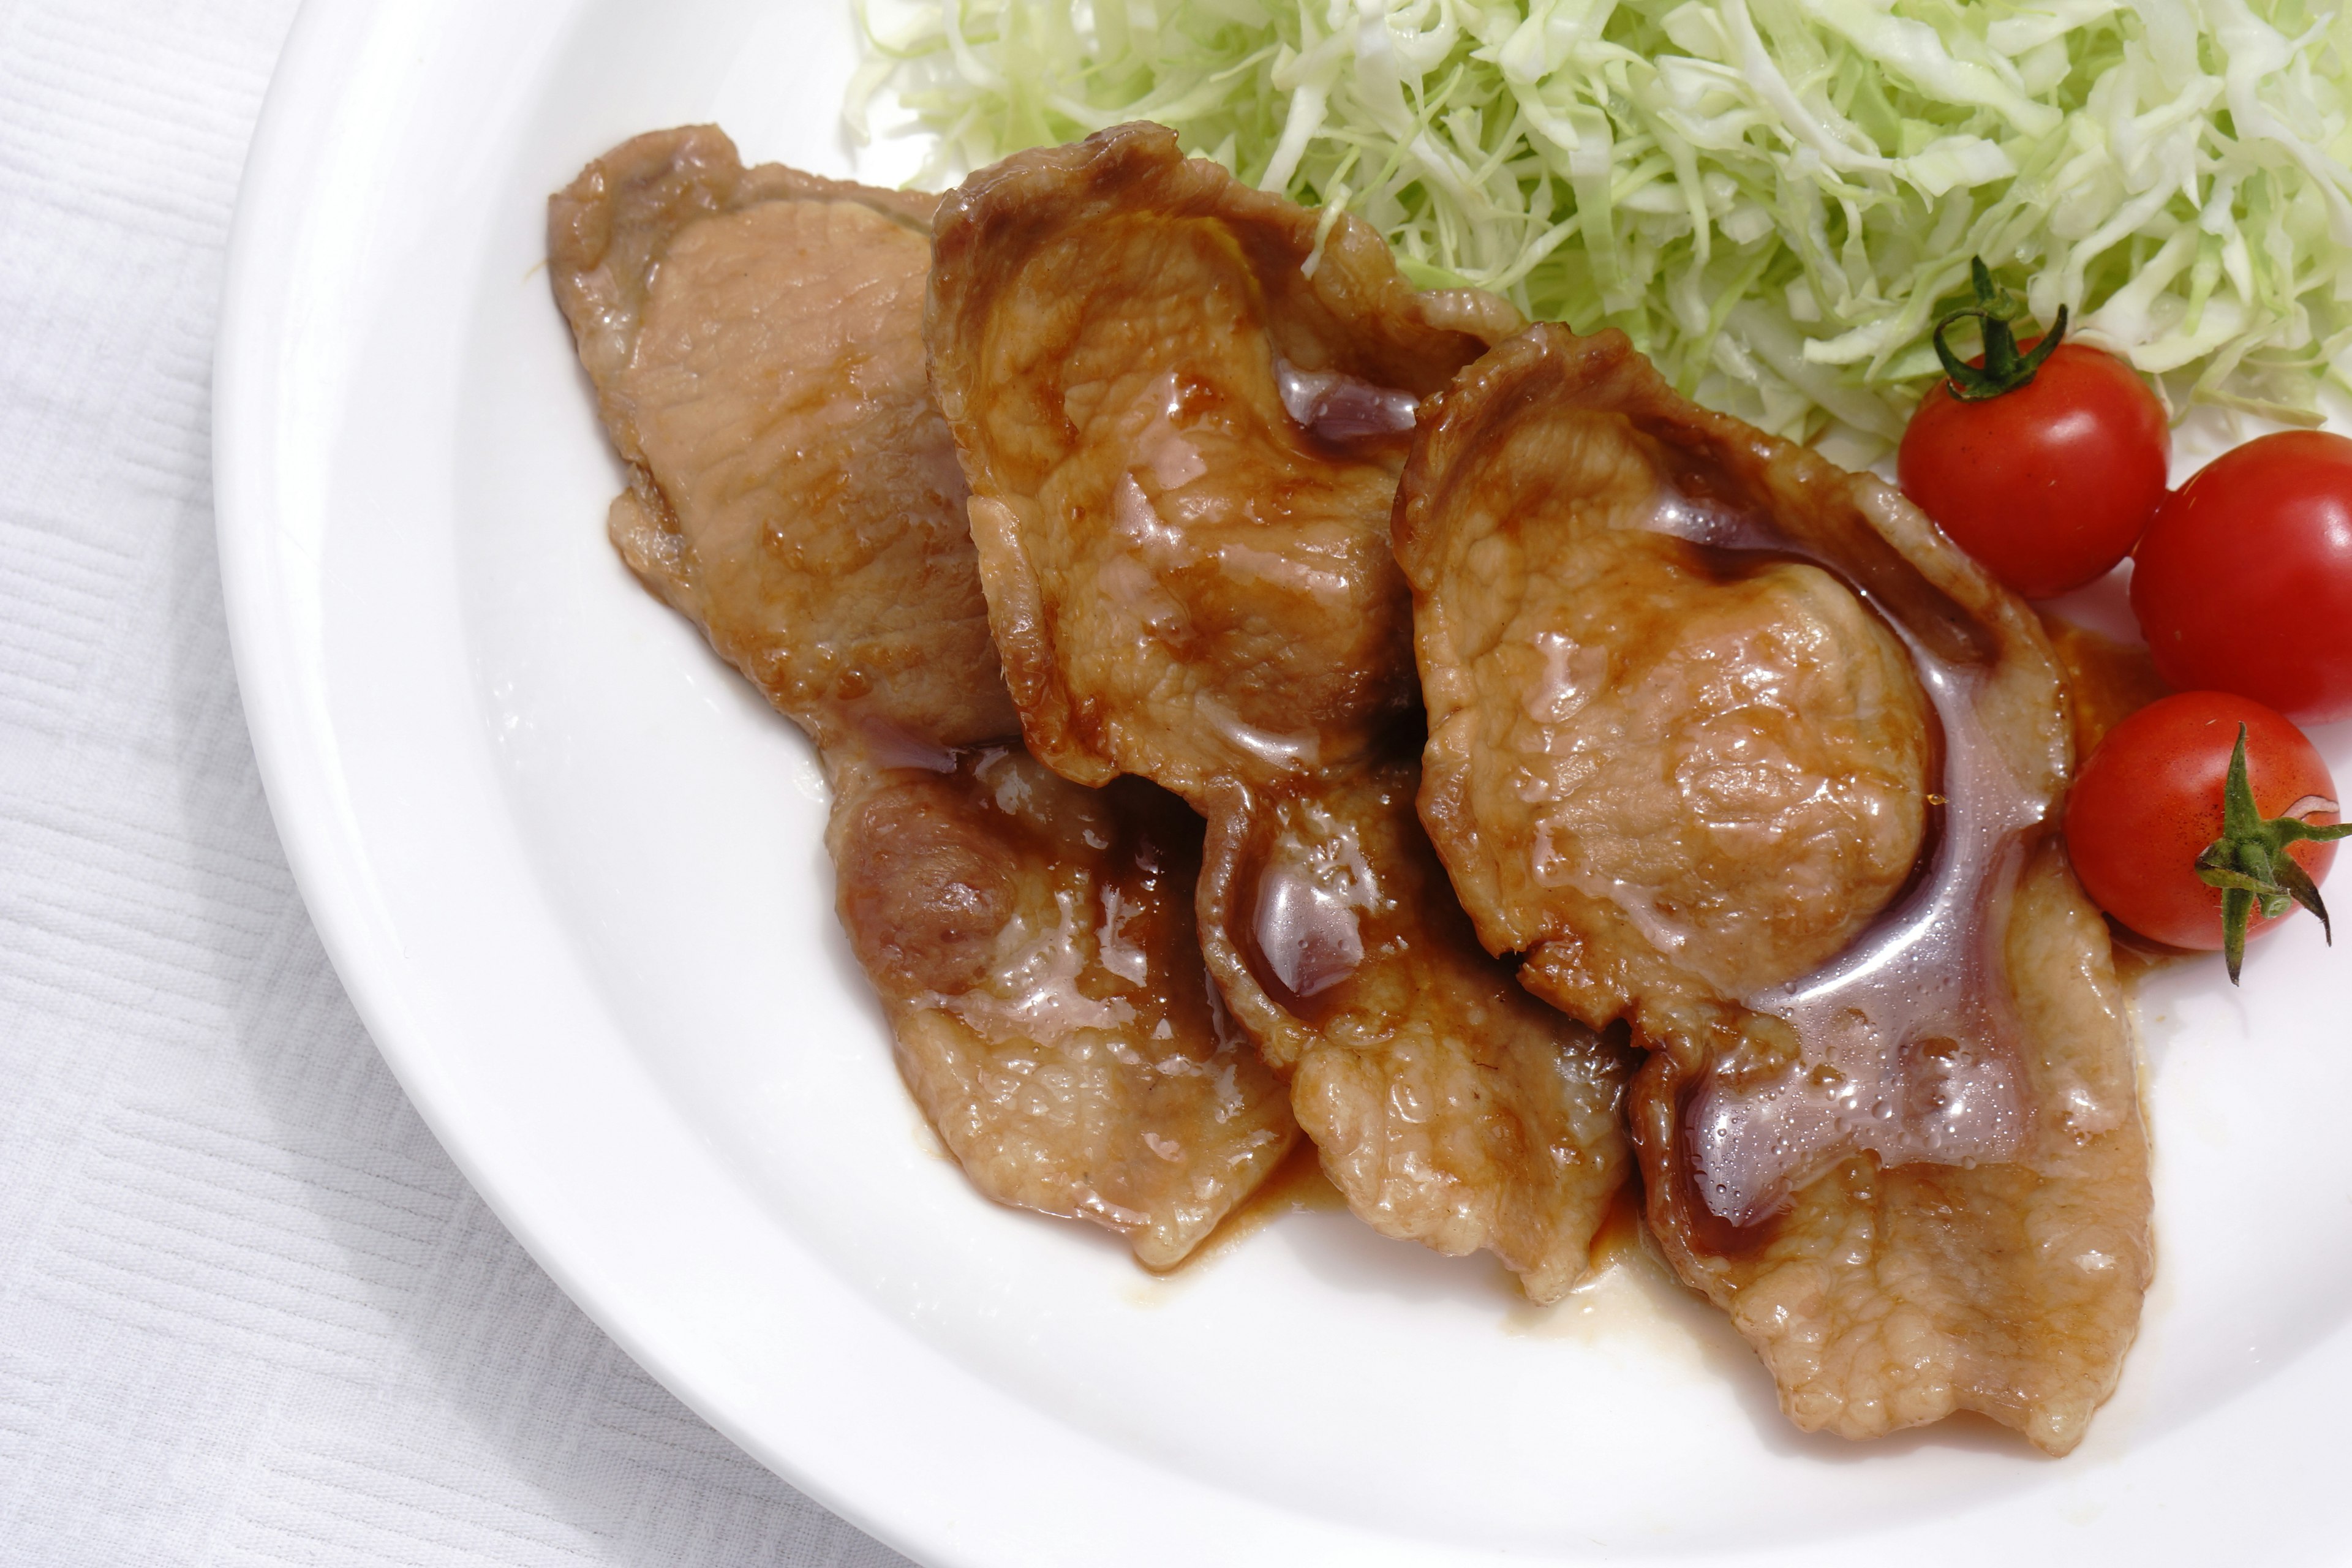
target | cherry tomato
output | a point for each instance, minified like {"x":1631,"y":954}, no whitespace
{"x":2149,"y":801}
{"x":2048,"y":484}
{"x":2243,"y":582}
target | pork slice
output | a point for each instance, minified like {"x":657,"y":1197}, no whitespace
{"x":1035,"y":940}
{"x":1183,"y":406}
{"x":755,"y":341}
{"x":1451,"y":1105}
{"x":1734,"y":746}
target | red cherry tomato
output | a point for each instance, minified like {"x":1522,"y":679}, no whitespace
{"x":2149,"y":801}
{"x":2048,"y":484}
{"x":2243,"y":582}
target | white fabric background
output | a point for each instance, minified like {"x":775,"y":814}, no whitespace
{"x":249,"y":1312}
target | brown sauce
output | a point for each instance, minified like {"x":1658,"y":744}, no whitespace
{"x":1917,"y":977}
{"x":1706,"y":1231}
{"x":2136,"y":958}
{"x":1409,"y":921}
{"x":1618,"y":1236}
{"x":2107,"y":681}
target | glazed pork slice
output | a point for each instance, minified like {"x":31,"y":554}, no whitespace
{"x":1183,"y":408}
{"x":754,"y":336}
{"x":1452,"y":1107}
{"x":1035,"y":940}
{"x":1734,"y":746}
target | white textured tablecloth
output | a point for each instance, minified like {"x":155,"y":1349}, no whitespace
{"x":249,"y":1312}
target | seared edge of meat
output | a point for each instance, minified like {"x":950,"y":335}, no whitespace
{"x":607,"y":230}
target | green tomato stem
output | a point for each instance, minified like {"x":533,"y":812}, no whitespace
{"x":2249,"y":865}
{"x":2004,"y":369}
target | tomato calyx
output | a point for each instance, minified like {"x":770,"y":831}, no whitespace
{"x":2249,"y":865}
{"x":2004,"y":369}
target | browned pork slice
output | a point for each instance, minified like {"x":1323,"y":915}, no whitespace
{"x":1183,"y":405}
{"x":1454,"y":1108}
{"x":755,"y":341}
{"x":1734,"y":746}
{"x":1035,"y":940}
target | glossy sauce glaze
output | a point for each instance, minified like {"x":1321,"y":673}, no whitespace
{"x":1343,"y":914}
{"x":1904,"y":1044}
{"x":1028,"y":908}
{"x":1337,"y":406}
{"x":1312,"y":896}
{"x":1035,"y":942}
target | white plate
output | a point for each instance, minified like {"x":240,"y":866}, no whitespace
{"x":568,"y":866}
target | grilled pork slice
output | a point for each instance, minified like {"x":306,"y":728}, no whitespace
{"x":755,"y":341}
{"x":1734,"y":746}
{"x":1183,"y":406}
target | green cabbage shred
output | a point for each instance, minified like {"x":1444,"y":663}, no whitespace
{"x":1775,"y":198}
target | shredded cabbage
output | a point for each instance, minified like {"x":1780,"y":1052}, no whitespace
{"x":1775,"y":198}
